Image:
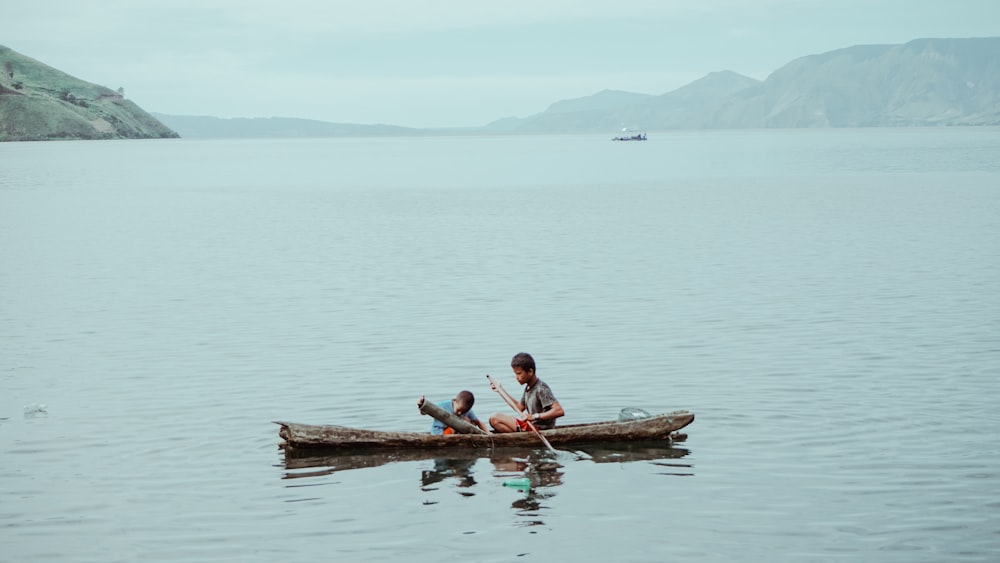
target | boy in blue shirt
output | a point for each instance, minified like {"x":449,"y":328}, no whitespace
{"x":460,"y":406}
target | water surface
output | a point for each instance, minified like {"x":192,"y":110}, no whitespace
{"x":826,"y":302}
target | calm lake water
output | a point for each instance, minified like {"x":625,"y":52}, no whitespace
{"x":826,"y":302}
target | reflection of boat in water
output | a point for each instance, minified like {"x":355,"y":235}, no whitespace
{"x":533,"y":475}
{"x":297,"y":462}
{"x":630,"y":135}
{"x":331,"y":437}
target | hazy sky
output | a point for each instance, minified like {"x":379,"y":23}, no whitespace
{"x":444,"y":62}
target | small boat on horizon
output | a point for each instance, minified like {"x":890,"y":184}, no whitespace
{"x":630,"y":135}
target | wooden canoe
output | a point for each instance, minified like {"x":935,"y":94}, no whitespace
{"x":659,"y":427}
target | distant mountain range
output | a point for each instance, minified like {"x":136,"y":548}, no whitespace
{"x":217,"y":127}
{"x":40,"y":103}
{"x":926,"y":82}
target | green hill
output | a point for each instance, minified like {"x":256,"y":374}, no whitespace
{"x":40,"y":103}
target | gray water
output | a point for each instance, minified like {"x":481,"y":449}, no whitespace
{"x":826,"y":302}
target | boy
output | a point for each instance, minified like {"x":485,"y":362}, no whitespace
{"x":460,"y":406}
{"x":538,"y":404}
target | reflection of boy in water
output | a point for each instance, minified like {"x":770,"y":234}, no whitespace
{"x":544,"y":476}
{"x":460,"y":469}
{"x":460,"y":406}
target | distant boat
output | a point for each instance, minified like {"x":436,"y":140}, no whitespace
{"x":628,"y":135}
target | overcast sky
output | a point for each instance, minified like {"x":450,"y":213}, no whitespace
{"x":430,"y":63}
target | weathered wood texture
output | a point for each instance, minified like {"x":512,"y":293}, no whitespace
{"x":657,"y":427}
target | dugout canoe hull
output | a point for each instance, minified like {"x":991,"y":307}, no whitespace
{"x":659,"y":427}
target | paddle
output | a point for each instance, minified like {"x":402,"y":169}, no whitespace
{"x":514,"y":405}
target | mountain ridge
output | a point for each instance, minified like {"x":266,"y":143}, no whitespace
{"x":924,"y":82}
{"x":290,"y":127}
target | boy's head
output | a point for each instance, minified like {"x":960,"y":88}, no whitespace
{"x":524,"y":367}
{"x":463,"y":402}
{"x":524,"y":361}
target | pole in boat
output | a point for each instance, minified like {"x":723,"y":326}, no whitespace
{"x":513,"y":404}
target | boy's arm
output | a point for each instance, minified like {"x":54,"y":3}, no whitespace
{"x":506,"y":396}
{"x":471,"y":418}
{"x":554,"y":412}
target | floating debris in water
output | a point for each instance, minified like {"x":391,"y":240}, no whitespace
{"x":35,"y":409}
{"x":521,"y":483}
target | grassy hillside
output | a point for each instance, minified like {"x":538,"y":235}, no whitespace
{"x":39,"y":103}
